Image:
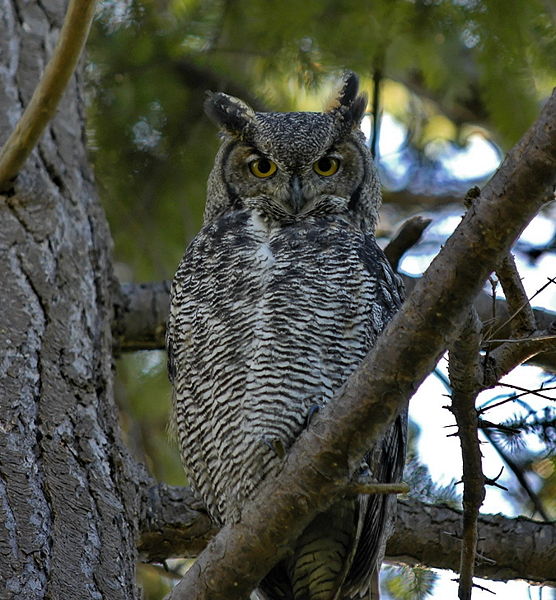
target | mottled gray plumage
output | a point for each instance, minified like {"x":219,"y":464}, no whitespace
{"x":276,"y":301}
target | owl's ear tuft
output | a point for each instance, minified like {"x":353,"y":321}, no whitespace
{"x":349,"y":89}
{"x":228,"y":112}
{"x":348,"y":105}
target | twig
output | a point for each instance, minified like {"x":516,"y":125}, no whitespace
{"x":483,"y":589}
{"x":535,"y":338}
{"x":464,"y":370}
{"x":476,"y":585}
{"x":506,"y":357}
{"x":513,"y":398}
{"x":484,"y":424}
{"x":405,"y":238}
{"x":550,"y":281}
{"x":493,"y":481}
{"x":48,"y":92}
{"x":523,"y":319}
{"x":378,"y":488}
{"x":518,"y":474}
{"x":375,"y":135}
{"x":526,"y":391}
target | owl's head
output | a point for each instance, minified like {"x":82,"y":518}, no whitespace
{"x":293,"y":165}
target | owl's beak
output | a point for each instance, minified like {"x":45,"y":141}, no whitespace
{"x":296,"y":194}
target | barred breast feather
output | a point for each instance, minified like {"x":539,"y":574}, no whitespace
{"x":265,"y":323}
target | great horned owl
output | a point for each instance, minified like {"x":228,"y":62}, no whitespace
{"x":276,"y":301}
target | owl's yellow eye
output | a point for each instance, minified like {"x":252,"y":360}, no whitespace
{"x":326,"y":166}
{"x":262,"y":168}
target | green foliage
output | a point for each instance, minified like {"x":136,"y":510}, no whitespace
{"x":542,"y":424}
{"x":507,"y":33}
{"x":144,"y":399}
{"x":408,"y":583}
{"x":529,"y":437}
{"x":482,"y":62}
{"x":537,"y":465}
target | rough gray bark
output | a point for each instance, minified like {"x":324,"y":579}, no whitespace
{"x":67,"y":495}
{"x":508,"y":548}
{"x":173,"y":525}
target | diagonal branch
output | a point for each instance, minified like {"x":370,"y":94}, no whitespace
{"x":48,"y":93}
{"x":319,"y":464}
{"x":405,"y":238}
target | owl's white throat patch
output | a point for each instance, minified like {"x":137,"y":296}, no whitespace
{"x":264,"y":254}
{"x":260,"y":223}
{"x":261,"y":228}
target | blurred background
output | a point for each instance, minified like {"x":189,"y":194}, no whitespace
{"x":452,"y":85}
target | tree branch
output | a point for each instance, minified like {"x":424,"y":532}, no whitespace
{"x":522,"y":318}
{"x":405,"y":238}
{"x":203,"y":78}
{"x":141,"y":310}
{"x":505,"y":358}
{"x":172,"y":525}
{"x":48,"y":93}
{"x":464,"y":370}
{"x":409,"y":201}
{"x":323,"y":458}
{"x":523,"y":341}
{"x":508,"y":548}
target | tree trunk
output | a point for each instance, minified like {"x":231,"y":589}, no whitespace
{"x":67,"y":497}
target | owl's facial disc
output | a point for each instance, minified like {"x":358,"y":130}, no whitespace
{"x":295,"y":186}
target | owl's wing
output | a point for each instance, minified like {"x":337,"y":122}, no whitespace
{"x":386,"y":460}
{"x":171,"y":364}
{"x":377,"y":511}
{"x":170,"y":337}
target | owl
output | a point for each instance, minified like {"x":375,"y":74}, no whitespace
{"x":275,"y":302}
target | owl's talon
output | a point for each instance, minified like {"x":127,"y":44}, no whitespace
{"x":313,"y":410}
{"x":275,"y":444}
